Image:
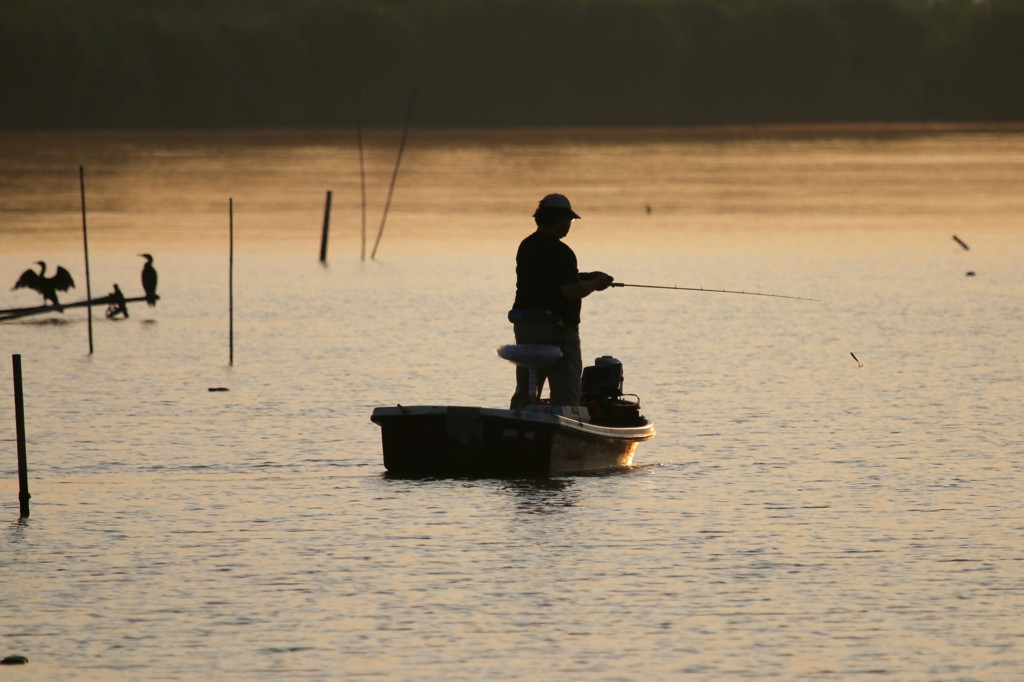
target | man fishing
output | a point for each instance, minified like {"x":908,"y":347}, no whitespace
{"x":549,"y":293}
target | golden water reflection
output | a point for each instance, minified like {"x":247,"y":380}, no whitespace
{"x":170,"y":191}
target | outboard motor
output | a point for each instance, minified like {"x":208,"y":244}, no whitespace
{"x":603,"y":397}
{"x":603,"y":379}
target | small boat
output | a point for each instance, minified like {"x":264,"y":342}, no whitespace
{"x":538,"y":440}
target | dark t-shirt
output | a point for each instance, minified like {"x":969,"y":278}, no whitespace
{"x":543,"y":264}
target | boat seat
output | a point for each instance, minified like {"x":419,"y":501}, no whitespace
{"x":530,"y":355}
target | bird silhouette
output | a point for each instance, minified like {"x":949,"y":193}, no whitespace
{"x":149,"y":279}
{"x":118,"y":306}
{"x":47,"y":286}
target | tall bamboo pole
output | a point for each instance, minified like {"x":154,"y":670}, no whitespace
{"x":362,"y":186}
{"x":231,"y":281}
{"x":85,"y":240}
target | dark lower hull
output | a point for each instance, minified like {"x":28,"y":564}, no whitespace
{"x":477,"y":441}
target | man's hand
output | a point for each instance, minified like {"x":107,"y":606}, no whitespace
{"x":588,"y":282}
{"x":604,"y":280}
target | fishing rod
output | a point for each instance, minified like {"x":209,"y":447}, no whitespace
{"x":716,"y":291}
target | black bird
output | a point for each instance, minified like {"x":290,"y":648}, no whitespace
{"x":118,"y":306}
{"x":149,"y":279}
{"x":47,"y":286}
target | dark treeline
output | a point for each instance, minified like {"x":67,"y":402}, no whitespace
{"x":277,"y":63}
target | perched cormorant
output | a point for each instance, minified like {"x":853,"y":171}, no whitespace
{"x":47,"y":286}
{"x":118,"y":306}
{"x":149,"y":279}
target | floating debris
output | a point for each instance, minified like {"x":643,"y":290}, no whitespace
{"x":961,"y":243}
{"x":859,"y":363}
{"x":14,"y":660}
{"x":216,"y":388}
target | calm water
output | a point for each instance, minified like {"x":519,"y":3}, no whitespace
{"x":796,"y":517}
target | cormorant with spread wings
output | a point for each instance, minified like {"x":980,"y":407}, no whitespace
{"x":47,"y":286}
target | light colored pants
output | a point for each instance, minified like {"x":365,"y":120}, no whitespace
{"x":563,"y":377}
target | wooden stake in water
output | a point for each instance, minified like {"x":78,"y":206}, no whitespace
{"x":19,"y":419}
{"x":327,"y":222}
{"x":85,"y":239}
{"x":231,"y":281}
